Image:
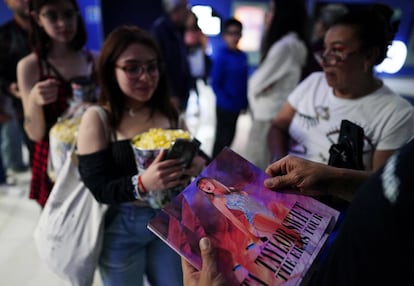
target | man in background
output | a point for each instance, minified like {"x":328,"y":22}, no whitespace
{"x":169,"y":31}
{"x":229,"y":74}
{"x":14,"y":45}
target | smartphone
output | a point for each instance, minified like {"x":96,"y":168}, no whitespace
{"x":183,"y":149}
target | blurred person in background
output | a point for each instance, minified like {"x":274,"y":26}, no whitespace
{"x":284,"y":54}
{"x":199,"y":61}
{"x":57,"y":38}
{"x":229,"y":81}
{"x":168,"y":30}
{"x":14,"y":45}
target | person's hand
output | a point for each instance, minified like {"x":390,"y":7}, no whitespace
{"x":304,"y":176}
{"x":45,"y":92}
{"x":163,"y":174}
{"x":209,"y":275}
{"x":197,"y":165}
{"x":14,"y":90}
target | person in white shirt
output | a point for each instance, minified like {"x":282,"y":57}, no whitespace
{"x":309,"y":123}
{"x":284,"y":55}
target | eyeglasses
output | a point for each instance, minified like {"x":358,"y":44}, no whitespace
{"x":54,"y":16}
{"x":233,"y":33}
{"x":134,"y":70}
{"x":331,"y":57}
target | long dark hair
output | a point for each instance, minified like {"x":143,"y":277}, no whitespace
{"x":110,"y":94}
{"x":40,"y":41}
{"x":373,"y":27}
{"x":289,"y":16}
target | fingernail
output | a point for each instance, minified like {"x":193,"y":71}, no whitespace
{"x":204,"y":243}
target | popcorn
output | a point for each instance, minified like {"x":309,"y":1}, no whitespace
{"x":158,"y":138}
{"x":64,"y":130}
{"x":62,"y":136}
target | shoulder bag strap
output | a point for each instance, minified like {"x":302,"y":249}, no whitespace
{"x":54,"y":70}
{"x":103,"y":115}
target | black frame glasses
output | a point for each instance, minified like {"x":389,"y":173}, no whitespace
{"x":134,"y":70}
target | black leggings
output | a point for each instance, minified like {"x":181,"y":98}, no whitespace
{"x":225,"y":129}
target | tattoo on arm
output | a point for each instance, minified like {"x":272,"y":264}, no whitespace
{"x":27,"y":120}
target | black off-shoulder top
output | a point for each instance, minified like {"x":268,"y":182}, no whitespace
{"x":107,"y":173}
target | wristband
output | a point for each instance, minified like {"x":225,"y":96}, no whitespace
{"x":139,"y":192}
{"x":141,"y":186}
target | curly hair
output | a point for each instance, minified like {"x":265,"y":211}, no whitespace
{"x":373,"y":27}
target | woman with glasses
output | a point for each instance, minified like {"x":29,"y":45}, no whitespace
{"x":57,"y":37}
{"x":345,"y":116}
{"x":134,"y":92}
{"x":347,"y":89}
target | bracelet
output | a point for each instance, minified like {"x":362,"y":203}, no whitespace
{"x":138,"y":192}
{"x":141,"y":185}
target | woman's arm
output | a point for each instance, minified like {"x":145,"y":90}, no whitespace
{"x":95,"y":162}
{"x":278,"y":136}
{"x":34,"y":94}
{"x":92,"y":133}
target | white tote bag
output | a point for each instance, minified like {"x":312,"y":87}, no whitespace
{"x":69,"y":233}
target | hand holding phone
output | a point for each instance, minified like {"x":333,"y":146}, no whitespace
{"x":184,"y":149}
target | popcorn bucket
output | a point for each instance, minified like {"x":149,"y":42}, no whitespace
{"x":144,"y":157}
{"x":62,"y":137}
{"x":146,"y":147}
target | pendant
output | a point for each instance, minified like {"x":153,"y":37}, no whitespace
{"x":131,"y":112}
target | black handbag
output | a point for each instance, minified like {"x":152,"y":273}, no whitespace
{"x":347,"y":153}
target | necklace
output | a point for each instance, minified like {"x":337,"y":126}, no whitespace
{"x":133,"y":111}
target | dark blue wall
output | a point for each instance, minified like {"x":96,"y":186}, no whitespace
{"x":140,"y":13}
{"x":5,"y":14}
{"x":91,"y":12}
{"x":143,"y":13}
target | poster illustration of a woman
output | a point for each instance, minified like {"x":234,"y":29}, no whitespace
{"x":251,"y":217}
